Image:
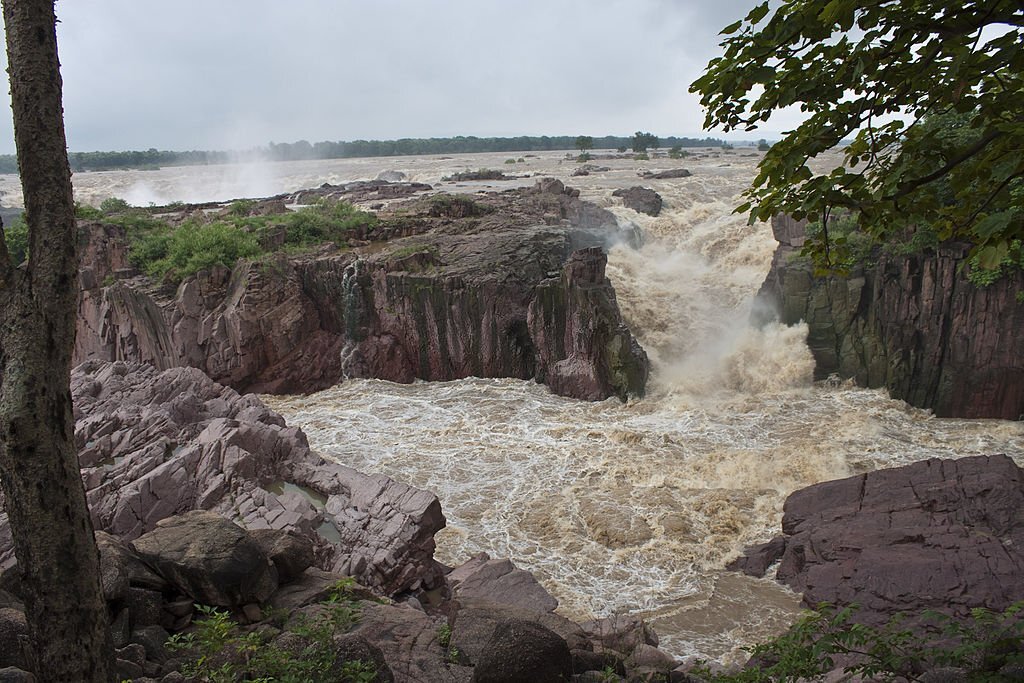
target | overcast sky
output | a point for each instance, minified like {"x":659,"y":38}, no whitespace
{"x":232,"y":74}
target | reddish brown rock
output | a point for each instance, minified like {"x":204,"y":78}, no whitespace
{"x":912,"y":324}
{"x":945,"y":535}
{"x":584,"y":348}
{"x":447,"y":297}
{"x":156,"y":444}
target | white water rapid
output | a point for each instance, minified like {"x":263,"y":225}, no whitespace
{"x":620,"y":507}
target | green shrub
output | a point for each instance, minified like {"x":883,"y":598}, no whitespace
{"x":981,"y":645}
{"x":158,"y":248}
{"x":16,"y":237}
{"x":325,"y":221}
{"x":642,"y":156}
{"x":219,"y":651}
{"x":444,"y":636}
{"x":113,"y":205}
{"x":583,"y":157}
{"x":979,"y":276}
{"x":195,"y":246}
{"x":86,"y":212}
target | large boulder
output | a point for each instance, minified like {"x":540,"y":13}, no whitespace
{"x":14,"y":643}
{"x":411,"y":643}
{"x":640,"y":199}
{"x":291,"y":553}
{"x":523,"y":651}
{"x":476,"y":620}
{"x":945,"y":535}
{"x":209,"y":558}
{"x":500,"y":582}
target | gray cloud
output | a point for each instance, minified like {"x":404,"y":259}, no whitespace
{"x":231,"y":74}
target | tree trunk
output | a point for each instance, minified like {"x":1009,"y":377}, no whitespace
{"x":42,"y":486}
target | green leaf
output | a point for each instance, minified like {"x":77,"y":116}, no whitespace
{"x":758,"y":13}
{"x":731,"y":28}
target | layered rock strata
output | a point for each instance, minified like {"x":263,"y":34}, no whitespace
{"x":159,"y":443}
{"x":200,"y":495}
{"x":944,"y":535}
{"x":441,"y":292}
{"x":912,"y":324}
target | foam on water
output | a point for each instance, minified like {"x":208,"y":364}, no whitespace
{"x":622,"y":507}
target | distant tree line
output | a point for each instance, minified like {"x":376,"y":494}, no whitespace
{"x":303,"y":149}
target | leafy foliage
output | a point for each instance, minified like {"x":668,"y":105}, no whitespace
{"x":584,"y":142}
{"x":221,"y":652}
{"x":16,"y":237}
{"x":980,"y":645}
{"x":881,"y":72}
{"x":162,"y":250}
{"x":644,"y":141}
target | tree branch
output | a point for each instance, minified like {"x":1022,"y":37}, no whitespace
{"x":905,"y":188}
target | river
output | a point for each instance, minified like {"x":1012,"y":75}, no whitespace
{"x":615,"y":507}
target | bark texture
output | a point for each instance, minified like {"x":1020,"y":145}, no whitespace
{"x":43,"y":493}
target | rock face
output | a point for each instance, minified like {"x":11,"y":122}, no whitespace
{"x":442,"y":294}
{"x":155,"y":444}
{"x":914,"y":325}
{"x":210,"y":559}
{"x":584,"y":348}
{"x":666,"y":175}
{"x":946,"y":535}
{"x":641,"y":199}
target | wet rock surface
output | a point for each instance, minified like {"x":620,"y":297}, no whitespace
{"x":913,"y":324}
{"x":200,"y":495}
{"x":944,"y":535}
{"x":640,"y":199}
{"x":438,"y":289}
{"x":584,"y":348}
{"x":155,"y":444}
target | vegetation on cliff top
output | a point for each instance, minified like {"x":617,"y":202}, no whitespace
{"x":162,"y":250}
{"x":881,"y":73}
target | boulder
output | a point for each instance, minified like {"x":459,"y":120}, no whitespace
{"x":666,"y":175}
{"x":640,"y":199}
{"x":209,"y":558}
{"x":14,"y":642}
{"x":410,"y":642}
{"x":619,"y":633}
{"x":11,"y":674}
{"x":476,"y":620}
{"x":523,"y":651}
{"x":349,"y":647}
{"x":290,"y":552}
{"x":499,"y":581}
{"x":908,"y":539}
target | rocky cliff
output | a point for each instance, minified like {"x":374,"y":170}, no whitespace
{"x":204,"y":496}
{"x":912,"y":324}
{"x":441,"y":292}
{"x":943,"y":535}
